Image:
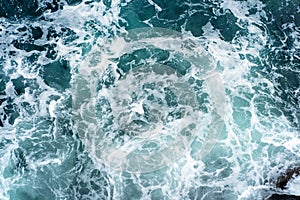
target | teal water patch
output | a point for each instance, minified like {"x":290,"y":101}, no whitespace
{"x":57,"y":75}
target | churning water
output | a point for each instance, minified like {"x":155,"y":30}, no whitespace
{"x":148,"y":99}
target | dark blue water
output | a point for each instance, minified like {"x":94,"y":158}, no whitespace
{"x":45,"y":135}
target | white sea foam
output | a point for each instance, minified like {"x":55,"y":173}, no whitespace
{"x":252,"y":147}
{"x":294,"y":186}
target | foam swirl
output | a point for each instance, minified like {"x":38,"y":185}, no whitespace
{"x":137,"y":100}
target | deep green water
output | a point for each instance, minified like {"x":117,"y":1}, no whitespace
{"x":255,"y":46}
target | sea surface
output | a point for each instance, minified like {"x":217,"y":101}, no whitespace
{"x":148,"y":99}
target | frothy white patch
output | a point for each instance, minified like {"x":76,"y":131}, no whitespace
{"x":293,"y":186}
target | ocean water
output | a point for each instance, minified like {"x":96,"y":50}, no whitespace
{"x":148,"y":99}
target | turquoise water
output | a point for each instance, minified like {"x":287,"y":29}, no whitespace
{"x":215,"y":91}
